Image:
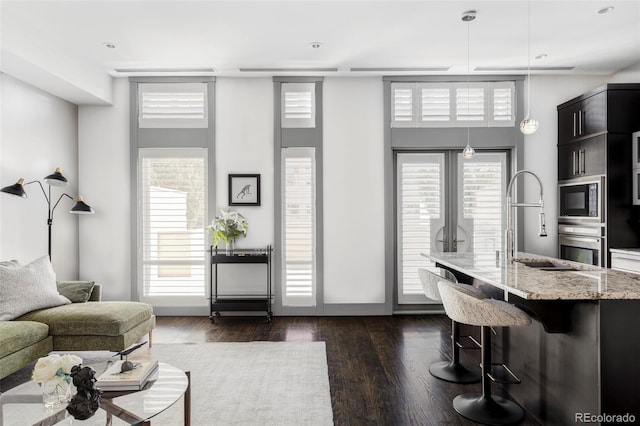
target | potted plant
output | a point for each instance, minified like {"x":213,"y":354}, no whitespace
{"x":228,"y":226}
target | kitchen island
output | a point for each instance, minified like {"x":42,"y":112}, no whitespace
{"x":581,"y":356}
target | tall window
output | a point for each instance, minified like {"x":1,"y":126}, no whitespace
{"x":172,"y":192}
{"x":172,"y":159}
{"x":298,"y":227}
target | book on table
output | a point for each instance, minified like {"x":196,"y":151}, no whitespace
{"x":113,"y":379}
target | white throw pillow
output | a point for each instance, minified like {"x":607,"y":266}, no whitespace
{"x":28,"y":288}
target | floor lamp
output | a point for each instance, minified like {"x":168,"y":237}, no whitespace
{"x":54,"y":179}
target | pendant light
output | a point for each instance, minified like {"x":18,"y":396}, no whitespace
{"x":529,"y":125}
{"x":467,"y":17}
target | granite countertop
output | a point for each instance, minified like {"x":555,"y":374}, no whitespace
{"x":584,"y":283}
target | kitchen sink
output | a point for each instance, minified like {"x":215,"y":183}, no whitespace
{"x":545,"y":265}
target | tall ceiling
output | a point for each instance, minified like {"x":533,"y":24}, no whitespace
{"x":67,"y":38}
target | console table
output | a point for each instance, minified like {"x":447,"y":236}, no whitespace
{"x":240,"y":302}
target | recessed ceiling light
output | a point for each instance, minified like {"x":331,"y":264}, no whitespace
{"x":109,"y":45}
{"x":606,"y":10}
{"x":541,"y":56}
{"x":315,"y":44}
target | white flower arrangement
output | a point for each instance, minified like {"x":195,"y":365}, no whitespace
{"x":228,"y":226}
{"x":54,"y":367}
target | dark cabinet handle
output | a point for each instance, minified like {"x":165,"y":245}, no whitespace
{"x":582,"y":160}
{"x":573,"y":163}
{"x":574,"y":126}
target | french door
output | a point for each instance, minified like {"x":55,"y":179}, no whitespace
{"x":446,"y":203}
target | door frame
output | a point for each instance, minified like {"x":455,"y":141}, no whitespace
{"x":450,"y":203}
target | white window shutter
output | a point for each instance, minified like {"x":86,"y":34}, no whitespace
{"x":420,"y":203}
{"x":471,"y":104}
{"x":403,"y":105}
{"x":435,"y":105}
{"x":172,"y":105}
{"x":298,"y":105}
{"x":298,"y":227}
{"x":502,"y":104}
{"x":172,"y":194}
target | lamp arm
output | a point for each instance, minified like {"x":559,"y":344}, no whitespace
{"x":41,"y":187}
{"x":64,"y":194}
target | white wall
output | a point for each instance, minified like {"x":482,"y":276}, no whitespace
{"x":541,"y":156}
{"x":105,"y":237}
{"x":630,"y":74}
{"x":39,"y":133}
{"x":353,"y":177}
{"x":353,"y":190}
{"x":244,"y":144}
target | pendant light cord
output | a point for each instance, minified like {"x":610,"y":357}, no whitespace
{"x":528,"y":57}
{"x":468,"y":76}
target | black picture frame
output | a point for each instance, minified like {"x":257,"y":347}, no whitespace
{"x":244,"y":189}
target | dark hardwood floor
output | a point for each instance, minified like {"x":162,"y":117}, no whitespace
{"x":378,"y":366}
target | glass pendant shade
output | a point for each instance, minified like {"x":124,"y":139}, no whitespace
{"x":56,"y":178}
{"x":16,"y":189}
{"x":468,"y":151}
{"x":528,"y":126}
{"x":81,"y":207}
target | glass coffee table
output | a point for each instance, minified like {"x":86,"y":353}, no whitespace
{"x":23,"y":405}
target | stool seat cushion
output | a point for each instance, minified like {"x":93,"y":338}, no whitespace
{"x":430,"y":280}
{"x":466,"y":309}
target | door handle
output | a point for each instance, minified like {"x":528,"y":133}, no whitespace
{"x":574,"y":124}
{"x":581,"y":158}
{"x":573,"y":163}
{"x":445,"y":244}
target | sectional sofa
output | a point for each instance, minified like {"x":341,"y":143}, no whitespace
{"x":86,"y":324}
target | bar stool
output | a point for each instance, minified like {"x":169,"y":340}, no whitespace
{"x":484,"y":408}
{"x":450,"y":371}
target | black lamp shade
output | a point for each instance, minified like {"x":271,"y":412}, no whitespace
{"x":56,"y":178}
{"x":16,"y":189}
{"x":81,"y":207}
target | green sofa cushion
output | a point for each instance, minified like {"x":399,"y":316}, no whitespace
{"x":76,"y":291}
{"x":92,"y":318}
{"x":19,"y":335}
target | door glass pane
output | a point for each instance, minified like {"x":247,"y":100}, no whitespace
{"x":421,"y":195}
{"x":481,"y":191}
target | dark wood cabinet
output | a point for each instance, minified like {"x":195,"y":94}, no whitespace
{"x":594,"y":138}
{"x":582,"y":158}
{"x":582,"y":118}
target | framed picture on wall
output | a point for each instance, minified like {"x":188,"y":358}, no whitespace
{"x":244,"y":190}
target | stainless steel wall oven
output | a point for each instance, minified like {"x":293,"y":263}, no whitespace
{"x":582,"y":243}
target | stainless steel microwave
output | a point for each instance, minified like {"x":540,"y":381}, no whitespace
{"x":582,"y":199}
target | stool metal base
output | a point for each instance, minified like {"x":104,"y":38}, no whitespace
{"x":494,"y":410}
{"x":455,"y":372}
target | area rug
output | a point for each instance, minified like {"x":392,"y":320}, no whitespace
{"x":254,"y":383}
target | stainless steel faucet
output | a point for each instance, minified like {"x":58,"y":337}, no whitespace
{"x":509,"y":243}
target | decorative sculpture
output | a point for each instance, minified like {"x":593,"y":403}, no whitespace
{"x":85,"y":403}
